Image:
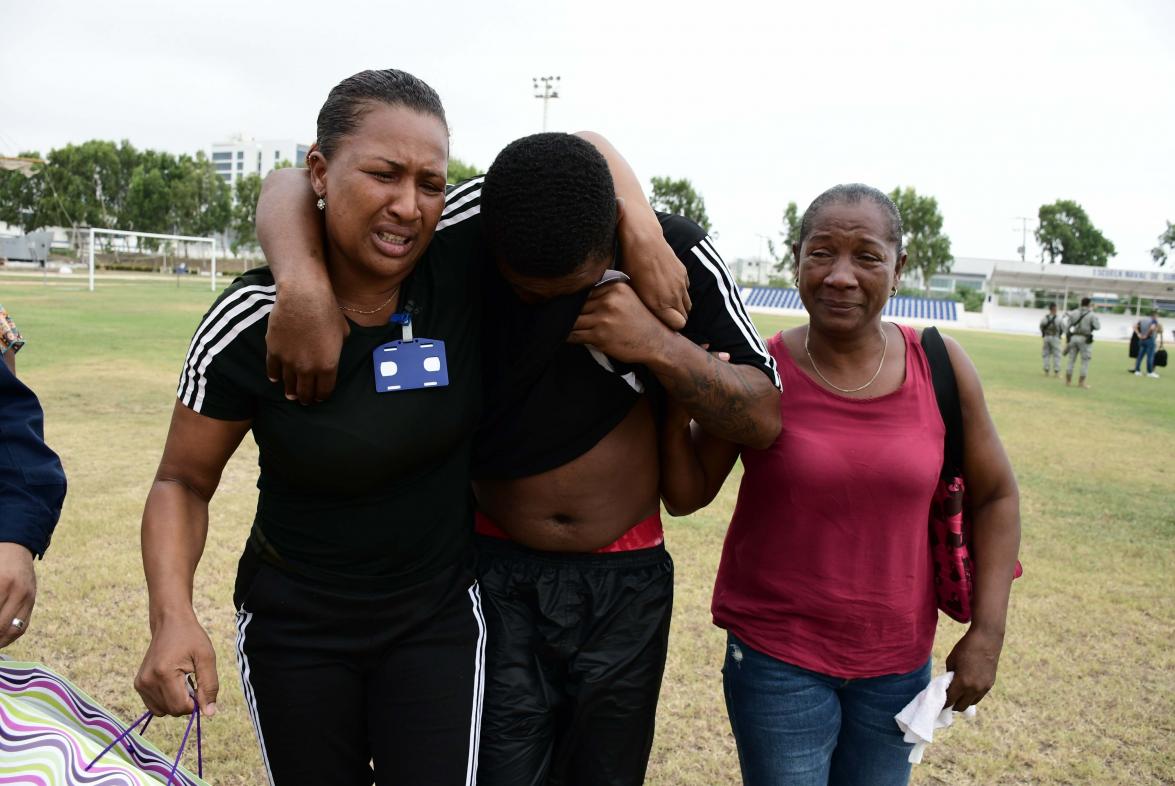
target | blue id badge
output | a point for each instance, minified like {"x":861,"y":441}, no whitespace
{"x":411,"y":363}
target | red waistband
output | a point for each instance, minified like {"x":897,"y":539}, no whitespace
{"x":643,"y":535}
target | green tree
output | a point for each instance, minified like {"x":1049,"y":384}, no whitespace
{"x":201,"y":201}
{"x":87,"y":184}
{"x":679,"y":196}
{"x":78,"y":185}
{"x":789,"y":236}
{"x":928,"y":249}
{"x":244,"y":224}
{"x":1166,"y":245}
{"x":148,"y":202}
{"x":20,"y":195}
{"x":1067,"y":235}
{"x":459,"y":170}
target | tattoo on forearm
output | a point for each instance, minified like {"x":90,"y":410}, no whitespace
{"x":721,"y":398}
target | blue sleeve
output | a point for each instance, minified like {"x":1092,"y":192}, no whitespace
{"x":32,"y":482}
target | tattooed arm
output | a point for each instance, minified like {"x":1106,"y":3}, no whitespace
{"x":738,"y":403}
{"x":734,"y":402}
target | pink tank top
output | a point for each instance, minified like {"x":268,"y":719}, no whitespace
{"x":826,"y":564}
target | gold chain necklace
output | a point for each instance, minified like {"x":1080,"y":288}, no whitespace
{"x":872,"y":379}
{"x":375,"y":310}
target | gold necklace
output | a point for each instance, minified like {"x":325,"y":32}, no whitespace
{"x":375,"y":310}
{"x":872,"y":379}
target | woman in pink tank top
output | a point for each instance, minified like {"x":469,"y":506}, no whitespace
{"x":825,"y":584}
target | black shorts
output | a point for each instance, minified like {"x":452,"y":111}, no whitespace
{"x":574,"y":662}
{"x":337,"y":680}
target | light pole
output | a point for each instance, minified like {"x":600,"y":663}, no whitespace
{"x":550,"y":90}
{"x":1023,"y":236}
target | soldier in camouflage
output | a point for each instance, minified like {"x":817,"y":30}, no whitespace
{"x":1079,"y":326}
{"x":1051,"y":330}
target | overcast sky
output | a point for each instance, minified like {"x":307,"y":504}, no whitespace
{"x":992,"y":107}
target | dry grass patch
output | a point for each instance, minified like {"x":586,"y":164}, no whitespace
{"x":1087,"y":680}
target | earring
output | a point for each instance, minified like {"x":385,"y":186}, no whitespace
{"x":893,"y":291}
{"x":321,"y":203}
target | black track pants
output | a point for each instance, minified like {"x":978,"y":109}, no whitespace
{"x":337,"y":680}
{"x":576,"y":652}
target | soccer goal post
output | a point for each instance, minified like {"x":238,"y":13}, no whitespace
{"x":152,"y":236}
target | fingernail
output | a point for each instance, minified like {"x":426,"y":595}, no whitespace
{"x":290,"y":397}
{"x":210,"y":709}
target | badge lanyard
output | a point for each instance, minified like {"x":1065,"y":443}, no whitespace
{"x":410,"y":363}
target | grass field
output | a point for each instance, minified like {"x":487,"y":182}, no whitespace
{"x":1086,"y":692}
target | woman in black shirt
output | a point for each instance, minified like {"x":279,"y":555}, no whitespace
{"x":360,"y":638}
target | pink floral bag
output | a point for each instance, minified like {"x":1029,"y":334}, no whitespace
{"x":950,"y":524}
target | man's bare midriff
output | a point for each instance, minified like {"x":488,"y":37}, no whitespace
{"x":588,"y":502}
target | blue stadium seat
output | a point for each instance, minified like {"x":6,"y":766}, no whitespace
{"x":901,"y":306}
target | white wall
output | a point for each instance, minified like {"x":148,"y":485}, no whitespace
{"x":1006,"y":319}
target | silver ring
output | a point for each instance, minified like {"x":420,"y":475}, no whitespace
{"x":18,"y":623}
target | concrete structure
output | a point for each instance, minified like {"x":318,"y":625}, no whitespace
{"x":754,"y":270}
{"x":1083,"y":280}
{"x":1104,"y":284}
{"x":59,"y":237}
{"x":241,"y":156}
{"x":965,"y":273}
{"x":33,"y":247}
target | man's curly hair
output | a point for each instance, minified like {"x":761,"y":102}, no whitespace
{"x":548,"y":205}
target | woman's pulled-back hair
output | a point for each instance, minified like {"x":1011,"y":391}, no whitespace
{"x":852,"y":193}
{"x":351,"y":98}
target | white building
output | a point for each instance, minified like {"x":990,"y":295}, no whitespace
{"x":241,"y":156}
{"x":965,"y":273}
{"x":753,"y":270}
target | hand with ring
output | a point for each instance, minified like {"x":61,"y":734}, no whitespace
{"x":18,"y":591}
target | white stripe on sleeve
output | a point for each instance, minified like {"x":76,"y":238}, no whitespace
{"x":217,"y":320}
{"x":710,"y":259}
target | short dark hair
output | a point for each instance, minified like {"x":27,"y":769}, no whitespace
{"x":1085,"y":301}
{"x":1052,"y":305}
{"x":350,"y":100}
{"x":548,"y":205}
{"x":852,"y":193}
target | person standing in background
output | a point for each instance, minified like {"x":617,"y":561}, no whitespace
{"x":1080,"y":324}
{"x":1050,"y":332}
{"x":32,"y":490}
{"x":1149,"y":333}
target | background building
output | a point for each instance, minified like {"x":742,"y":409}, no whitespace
{"x":240,"y":156}
{"x":754,"y":270}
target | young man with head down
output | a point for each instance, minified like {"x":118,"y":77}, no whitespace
{"x":575,"y":579}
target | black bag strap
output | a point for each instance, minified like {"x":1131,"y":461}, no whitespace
{"x":946,"y":392}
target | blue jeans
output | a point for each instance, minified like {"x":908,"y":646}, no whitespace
{"x":796,"y":727}
{"x":1146,"y":349}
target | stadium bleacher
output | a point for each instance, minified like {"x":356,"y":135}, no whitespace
{"x":900,"y":307}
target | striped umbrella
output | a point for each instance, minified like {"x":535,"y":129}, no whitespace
{"x":51,"y":733}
